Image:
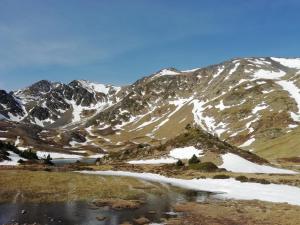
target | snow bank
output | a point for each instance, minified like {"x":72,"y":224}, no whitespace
{"x":154,"y":161}
{"x":14,"y":160}
{"x":226,"y":188}
{"x":185,"y":152}
{"x":235,"y":163}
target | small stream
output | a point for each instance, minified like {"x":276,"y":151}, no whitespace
{"x":155,"y":208}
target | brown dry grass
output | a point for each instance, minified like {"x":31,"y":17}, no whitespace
{"x":40,"y":186}
{"x":237,"y":213}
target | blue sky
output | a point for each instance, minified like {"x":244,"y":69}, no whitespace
{"x":119,"y":41}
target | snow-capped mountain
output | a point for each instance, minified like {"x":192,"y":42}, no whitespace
{"x":45,"y":103}
{"x":246,"y":102}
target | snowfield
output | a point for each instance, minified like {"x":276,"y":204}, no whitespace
{"x":225,"y":188}
{"x":235,"y":163}
{"x":175,"y":154}
{"x":292,"y":63}
{"x":185,"y":152}
{"x":56,"y":155}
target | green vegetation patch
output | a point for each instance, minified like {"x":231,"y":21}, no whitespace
{"x":41,"y":186}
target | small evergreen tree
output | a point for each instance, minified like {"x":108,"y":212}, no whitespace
{"x":47,"y":160}
{"x":194,"y":160}
{"x":179,"y":163}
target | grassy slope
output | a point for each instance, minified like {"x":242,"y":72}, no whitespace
{"x":287,"y":145}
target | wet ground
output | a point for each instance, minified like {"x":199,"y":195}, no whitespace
{"x":156,"y":208}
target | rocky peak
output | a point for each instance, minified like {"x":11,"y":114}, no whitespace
{"x":42,"y":86}
{"x":9,"y":105}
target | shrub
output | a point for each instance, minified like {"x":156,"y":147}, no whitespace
{"x":194,"y":160}
{"x":188,"y":126}
{"x":28,"y":154}
{"x":47,"y":160}
{"x":205,"y":166}
{"x":21,"y":161}
{"x":179,"y":163}
{"x":242,"y":179}
{"x":221,"y":176}
{"x":258,"y":180}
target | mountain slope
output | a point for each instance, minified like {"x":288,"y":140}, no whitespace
{"x":246,"y":102}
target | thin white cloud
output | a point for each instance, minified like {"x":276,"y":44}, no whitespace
{"x":37,"y":39}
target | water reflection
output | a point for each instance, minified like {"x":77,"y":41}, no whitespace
{"x":71,"y":213}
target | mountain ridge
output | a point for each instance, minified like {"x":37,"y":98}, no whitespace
{"x":245,"y":101}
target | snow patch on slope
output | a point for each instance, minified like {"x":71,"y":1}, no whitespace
{"x":294,"y":92}
{"x":185,"y":152}
{"x":237,"y":164}
{"x":90,"y":86}
{"x":291,"y":63}
{"x":166,"y":72}
{"x":247,"y":143}
{"x":174,"y":156}
{"x":269,"y":75}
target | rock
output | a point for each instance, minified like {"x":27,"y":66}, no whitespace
{"x":101,"y":218}
{"x":23,"y":211}
{"x":126,"y":223}
{"x":142,"y":220}
{"x":152,"y":212}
